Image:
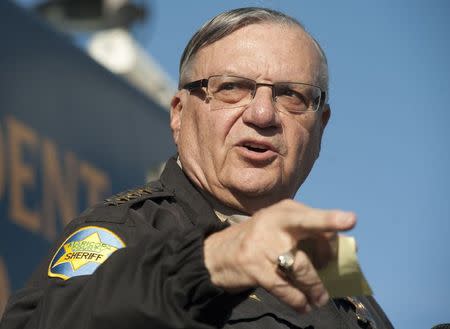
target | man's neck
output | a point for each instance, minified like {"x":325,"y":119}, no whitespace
{"x":224,"y":213}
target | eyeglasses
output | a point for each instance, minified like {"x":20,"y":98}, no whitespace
{"x":227,"y":91}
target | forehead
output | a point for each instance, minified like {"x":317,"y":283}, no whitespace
{"x":266,"y":52}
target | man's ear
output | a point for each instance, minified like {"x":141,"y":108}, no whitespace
{"x":325,"y":116}
{"x":326,"y":113}
{"x":176,"y":107}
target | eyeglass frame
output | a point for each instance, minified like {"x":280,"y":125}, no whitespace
{"x":203,"y":83}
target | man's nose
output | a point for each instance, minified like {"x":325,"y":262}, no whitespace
{"x":261,"y":111}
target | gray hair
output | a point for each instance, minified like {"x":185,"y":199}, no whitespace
{"x":226,"y":23}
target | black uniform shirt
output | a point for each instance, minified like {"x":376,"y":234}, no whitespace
{"x":136,"y":261}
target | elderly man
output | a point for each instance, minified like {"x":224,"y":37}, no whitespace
{"x":216,"y":242}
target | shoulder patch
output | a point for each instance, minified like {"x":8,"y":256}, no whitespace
{"x":83,"y":252}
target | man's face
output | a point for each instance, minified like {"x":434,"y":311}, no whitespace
{"x":218,"y":147}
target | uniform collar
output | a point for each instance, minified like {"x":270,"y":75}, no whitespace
{"x":202,"y":207}
{"x":196,"y":207}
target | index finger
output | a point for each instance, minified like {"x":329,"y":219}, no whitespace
{"x":310,"y":221}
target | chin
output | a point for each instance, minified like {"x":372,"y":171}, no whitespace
{"x":255,"y":187}
{"x":252,"y":199}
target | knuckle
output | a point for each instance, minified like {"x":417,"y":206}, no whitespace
{"x":297,"y":300}
{"x":277,"y":286}
{"x":271,"y":285}
{"x":317,"y":291}
{"x":300,"y":301}
{"x":302,"y":265}
{"x":287,"y":293}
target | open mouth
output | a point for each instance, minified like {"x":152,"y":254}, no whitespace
{"x":256,"y":147}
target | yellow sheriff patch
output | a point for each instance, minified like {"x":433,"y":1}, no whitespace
{"x":83,"y":252}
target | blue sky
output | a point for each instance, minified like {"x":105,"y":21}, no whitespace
{"x":385,"y":153}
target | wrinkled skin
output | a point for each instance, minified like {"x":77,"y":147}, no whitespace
{"x":210,"y":141}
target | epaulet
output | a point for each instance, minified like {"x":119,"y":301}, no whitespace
{"x":115,"y":208}
{"x":150,"y":191}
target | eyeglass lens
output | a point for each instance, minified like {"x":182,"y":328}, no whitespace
{"x":231,"y":91}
